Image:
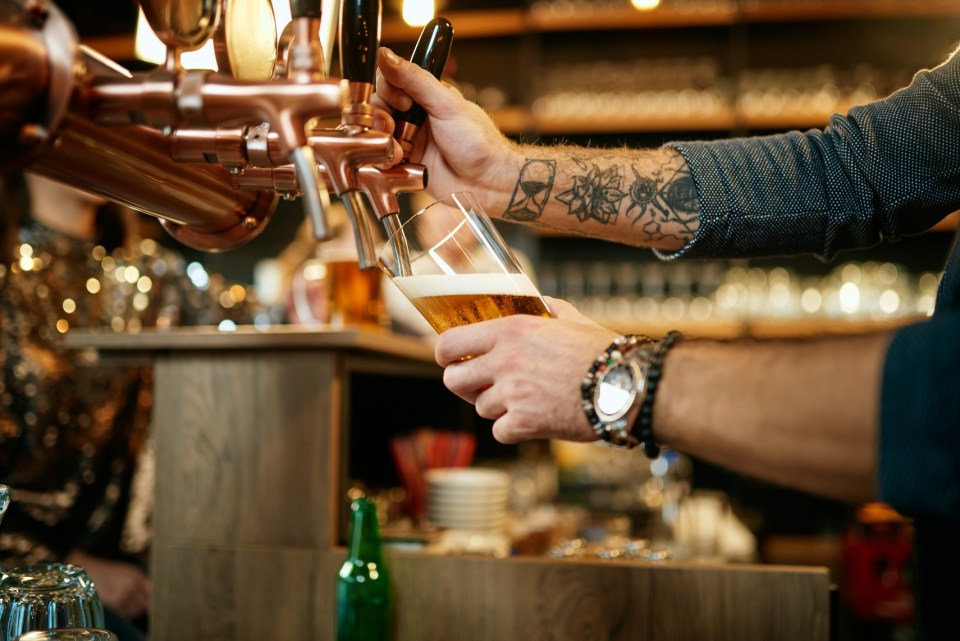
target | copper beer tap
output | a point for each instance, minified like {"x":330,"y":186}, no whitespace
{"x":210,"y":153}
{"x":171,"y":97}
{"x":344,"y":150}
{"x":42,"y":82}
{"x":348,"y":153}
{"x":257,"y":151}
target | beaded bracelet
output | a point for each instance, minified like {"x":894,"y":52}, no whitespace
{"x":643,"y":425}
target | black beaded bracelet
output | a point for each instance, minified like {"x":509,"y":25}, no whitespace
{"x":643,"y":424}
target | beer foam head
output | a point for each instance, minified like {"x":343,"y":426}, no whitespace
{"x":426,"y":285}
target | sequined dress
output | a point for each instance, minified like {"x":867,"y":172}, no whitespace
{"x":74,"y":432}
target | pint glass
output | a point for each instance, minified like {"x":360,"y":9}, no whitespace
{"x":454,"y":266}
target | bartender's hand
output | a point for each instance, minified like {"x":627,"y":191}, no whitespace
{"x":525,"y":371}
{"x":460,"y":145}
{"x":122,"y":587}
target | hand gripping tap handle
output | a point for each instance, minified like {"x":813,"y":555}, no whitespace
{"x":431,"y":53}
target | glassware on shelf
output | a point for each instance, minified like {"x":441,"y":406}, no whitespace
{"x":47,"y":596}
{"x":810,"y":92}
{"x":627,"y":294}
{"x":4,"y":501}
{"x":646,"y":89}
{"x":68,"y":634}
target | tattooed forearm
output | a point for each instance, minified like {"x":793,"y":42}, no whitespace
{"x":574,"y":188}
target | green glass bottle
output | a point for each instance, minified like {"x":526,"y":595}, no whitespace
{"x":363,"y":586}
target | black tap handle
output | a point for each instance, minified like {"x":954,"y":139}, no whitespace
{"x":431,"y":53}
{"x":359,"y":39}
{"x":305,"y":8}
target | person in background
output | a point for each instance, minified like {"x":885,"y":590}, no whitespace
{"x":74,"y":432}
{"x":858,"y":418}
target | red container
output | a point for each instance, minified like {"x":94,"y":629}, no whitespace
{"x":877,"y":566}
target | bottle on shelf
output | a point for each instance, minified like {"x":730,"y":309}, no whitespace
{"x":363,"y":584}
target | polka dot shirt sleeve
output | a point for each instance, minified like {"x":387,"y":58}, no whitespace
{"x":883,"y":170}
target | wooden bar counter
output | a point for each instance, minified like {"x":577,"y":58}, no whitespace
{"x":256,"y":436}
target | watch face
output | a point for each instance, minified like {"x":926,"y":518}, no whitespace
{"x":616,"y":392}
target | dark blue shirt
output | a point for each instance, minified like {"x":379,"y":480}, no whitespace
{"x":883,"y":170}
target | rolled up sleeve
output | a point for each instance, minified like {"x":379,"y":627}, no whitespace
{"x":886,"y":169}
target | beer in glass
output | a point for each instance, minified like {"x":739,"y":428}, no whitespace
{"x":454,"y":266}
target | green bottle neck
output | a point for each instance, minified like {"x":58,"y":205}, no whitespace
{"x":365,"y":538}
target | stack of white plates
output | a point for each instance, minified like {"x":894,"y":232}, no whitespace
{"x":468,"y":498}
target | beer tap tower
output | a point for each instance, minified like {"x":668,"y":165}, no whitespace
{"x":210,"y":153}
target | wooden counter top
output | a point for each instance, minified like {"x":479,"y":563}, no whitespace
{"x":249,"y":337}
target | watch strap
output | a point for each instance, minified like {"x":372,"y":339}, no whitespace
{"x":643,"y":425}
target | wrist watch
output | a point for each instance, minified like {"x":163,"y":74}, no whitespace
{"x":615,"y":385}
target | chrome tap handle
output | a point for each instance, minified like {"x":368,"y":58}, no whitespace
{"x":431,"y":53}
{"x":306,"y":63}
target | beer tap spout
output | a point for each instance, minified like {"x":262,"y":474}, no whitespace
{"x":316,"y":198}
{"x":359,"y":214}
{"x":383,"y":186}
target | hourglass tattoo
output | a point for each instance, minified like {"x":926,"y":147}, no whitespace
{"x":532,"y":190}
{"x":665,"y":204}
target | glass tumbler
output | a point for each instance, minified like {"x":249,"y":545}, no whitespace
{"x":47,"y":596}
{"x":68,"y":634}
{"x":4,"y":500}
